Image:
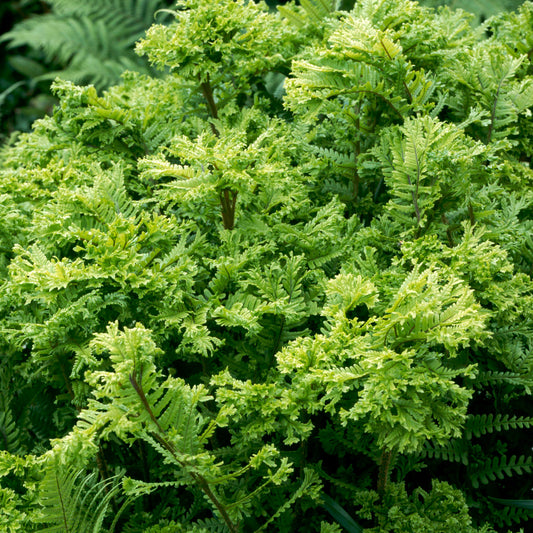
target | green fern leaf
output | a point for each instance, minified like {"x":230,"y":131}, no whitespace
{"x":311,"y":12}
{"x":477,"y":425}
{"x":499,"y":467}
{"x":455,"y":450}
{"x":9,"y":434}
{"x":72,"y":501}
{"x":93,"y":41}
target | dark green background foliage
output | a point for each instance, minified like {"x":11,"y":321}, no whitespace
{"x":284,"y":285}
{"x":84,"y":42}
{"x":19,"y":101}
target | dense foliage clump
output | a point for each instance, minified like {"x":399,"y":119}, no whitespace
{"x":286,"y":286}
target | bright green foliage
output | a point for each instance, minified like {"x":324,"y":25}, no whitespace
{"x":208,"y":44}
{"x":287,"y":286}
{"x":440,"y":510}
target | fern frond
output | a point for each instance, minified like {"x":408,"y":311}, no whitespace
{"x":311,"y":12}
{"x":342,"y":160}
{"x":9,"y":434}
{"x":109,"y":198}
{"x":494,"y":377}
{"x":499,"y":467}
{"x":513,"y":510}
{"x":72,"y":501}
{"x":209,"y":525}
{"x":318,"y":9}
{"x":512,"y":515}
{"x":92,"y":41}
{"x":455,"y":450}
{"x":310,"y":487}
{"x":477,"y":425}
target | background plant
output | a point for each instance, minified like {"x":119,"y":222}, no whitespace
{"x":85,"y":42}
{"x":293,"y":270}
{"x":16,"y":97}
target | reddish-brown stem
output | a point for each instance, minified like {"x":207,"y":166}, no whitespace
{"x":228,"y":200}
{"x":228,"y":197}
{"x":207,"y":91}
{"x":161,"y":438}
{"x":384,"y":471}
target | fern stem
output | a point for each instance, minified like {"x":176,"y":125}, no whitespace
{"x":493,"y":112}
{"x":228,"y":198}
{"x":60,"y":494}
{"x":228,"y":201}
{"x":385,"y":462}
{"x":207,"y":91}
{"x":197,"y":478}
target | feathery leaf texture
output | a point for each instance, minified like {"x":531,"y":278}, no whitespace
{"x":300,"y":255}
{"x":478,"y":425}
{"x":92,"y":42}
{"x":499,"y":467}
{"x":73,"y":501}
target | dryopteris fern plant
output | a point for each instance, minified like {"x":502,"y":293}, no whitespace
{"x":244,"y":298}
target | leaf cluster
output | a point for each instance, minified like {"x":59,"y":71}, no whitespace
{"x":286,"y":286}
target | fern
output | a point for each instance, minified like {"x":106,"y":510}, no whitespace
{"x":298,"y":256}
{"x":168,"y":417}
{"x":513,"y":510}
{"x":481,"y":424}
{"x":454,"y":450}
{"x":499,"y":467}
{"x":412,"y":178}
{"x":91,"y":42}
{"x":9,"y":435}
{"x":73,"y":501}
{"x":311,"y":12}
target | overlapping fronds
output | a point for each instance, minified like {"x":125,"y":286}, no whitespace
{"x":89,"y":41}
